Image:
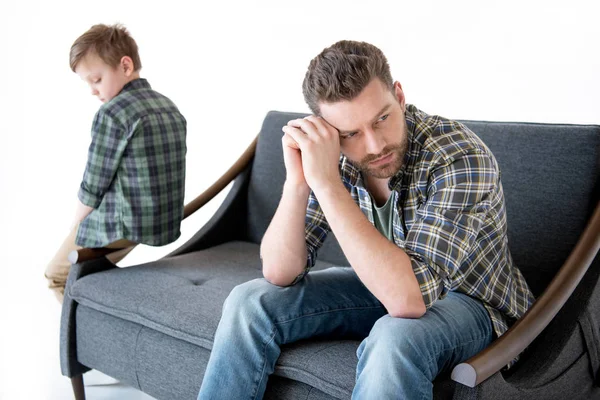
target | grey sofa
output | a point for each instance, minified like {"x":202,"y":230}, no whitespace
{"x":151,"y":326}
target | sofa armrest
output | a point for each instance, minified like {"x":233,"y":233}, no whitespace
{"x":86,"y":254}
{"x":495,"y":357}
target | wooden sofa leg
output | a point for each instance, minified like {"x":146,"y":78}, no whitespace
{"x":78,"y":389}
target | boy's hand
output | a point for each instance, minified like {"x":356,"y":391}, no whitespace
{"x":319,"y":145}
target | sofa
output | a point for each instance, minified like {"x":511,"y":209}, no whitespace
{"x":151,"y":326}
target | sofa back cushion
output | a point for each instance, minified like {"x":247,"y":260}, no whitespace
{"x":550,"y":174}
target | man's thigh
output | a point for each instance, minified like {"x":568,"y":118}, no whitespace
{"x":329,"y":303}
{"x":451,"y":331}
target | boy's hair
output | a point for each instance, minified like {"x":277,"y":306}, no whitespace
{"x":109,"y":42}
{"x":342,"y":71}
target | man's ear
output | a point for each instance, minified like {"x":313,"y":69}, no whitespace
{"x":127,"y":66}
{"x":400,"y":95}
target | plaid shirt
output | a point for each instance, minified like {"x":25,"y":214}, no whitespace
{"x":449,"y":218}
{"x":135,"y":173}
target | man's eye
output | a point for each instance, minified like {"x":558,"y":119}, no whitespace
{"x":349,"y":135}
{"x":384,"y":117}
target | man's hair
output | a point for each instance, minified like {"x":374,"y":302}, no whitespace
{"x":109,"y":42}
{"x":342,"y":71}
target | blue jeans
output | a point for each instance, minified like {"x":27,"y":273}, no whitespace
{"x":398,"y":358}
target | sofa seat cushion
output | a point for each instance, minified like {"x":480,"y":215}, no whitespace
{"x":181,"y":296}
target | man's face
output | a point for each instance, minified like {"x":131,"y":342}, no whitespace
{"x":373,"y":131}
{"x":105,"y":81}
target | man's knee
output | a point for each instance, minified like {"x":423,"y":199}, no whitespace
{"x":248,"y":297}
{"x":399,"y":339}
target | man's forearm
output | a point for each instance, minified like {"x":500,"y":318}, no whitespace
{"x":384,"y":268}
{"x":283,"y":247}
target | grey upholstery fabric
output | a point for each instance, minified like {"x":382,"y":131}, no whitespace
{"x":181,"y":296}
{"x":152,"y":325}
{"x":281,"y":388}
{"x":153,"y":310}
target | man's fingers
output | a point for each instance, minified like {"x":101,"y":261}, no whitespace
{"x":288,"y":141}
{"x":305,"y":126}
{"x":296,"y":134}
{"x":322,"y":125}
{"x":314,"y":126}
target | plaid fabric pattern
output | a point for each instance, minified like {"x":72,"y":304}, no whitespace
{"x":135,"y":173}
{"x":449,"y":217}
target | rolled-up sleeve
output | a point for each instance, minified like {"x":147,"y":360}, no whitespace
{"x":104,"y":157}
{"x":449,"y":222}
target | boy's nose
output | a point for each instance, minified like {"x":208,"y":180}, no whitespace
{"x":94,"y":92}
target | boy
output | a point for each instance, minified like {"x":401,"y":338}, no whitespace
{"x":133,"y":186}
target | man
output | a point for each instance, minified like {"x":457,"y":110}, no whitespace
{"x":416,"y":204}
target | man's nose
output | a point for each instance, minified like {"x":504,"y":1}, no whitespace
{"x":374,"y":142}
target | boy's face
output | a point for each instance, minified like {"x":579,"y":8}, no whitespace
{"x":105,"y":81}
{"x":372,"y":127}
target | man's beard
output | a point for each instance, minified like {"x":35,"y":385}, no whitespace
{"x":391,"y":168}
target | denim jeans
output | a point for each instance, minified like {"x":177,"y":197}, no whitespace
{"x":398,"y":358}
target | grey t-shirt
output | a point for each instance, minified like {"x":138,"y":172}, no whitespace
{"x":383,"y":217}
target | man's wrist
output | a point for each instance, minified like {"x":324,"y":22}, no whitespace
{"x":330,"y":190}
{"x":296,"y":190}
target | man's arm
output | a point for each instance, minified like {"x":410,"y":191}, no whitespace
{"x":283,"y":247}
{"x":385,"y":269}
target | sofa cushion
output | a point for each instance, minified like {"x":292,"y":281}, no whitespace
{"x":180,"y":296}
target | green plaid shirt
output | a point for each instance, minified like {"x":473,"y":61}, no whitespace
{"x":448,"y":215}
{"x":135,"y":173}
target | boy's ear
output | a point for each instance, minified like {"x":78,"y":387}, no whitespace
{"x":127,"y":66}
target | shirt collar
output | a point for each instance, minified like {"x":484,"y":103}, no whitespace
{"x":139,"y":83}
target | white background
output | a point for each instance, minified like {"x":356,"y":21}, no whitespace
{"x":225,"y":64}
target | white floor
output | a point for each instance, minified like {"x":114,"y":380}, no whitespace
{"x":29,"y":359}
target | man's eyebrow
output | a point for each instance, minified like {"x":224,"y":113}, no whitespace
{"x":384,"y":109}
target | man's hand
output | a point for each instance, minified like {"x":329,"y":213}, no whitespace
{"x":293,"y":163}
{"x":319,"y":146}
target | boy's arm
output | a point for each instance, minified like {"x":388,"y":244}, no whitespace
{"x":81,"y":211}
{"x":104,"y":157}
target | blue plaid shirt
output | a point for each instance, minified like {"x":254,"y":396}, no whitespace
{"x":448,"y":216}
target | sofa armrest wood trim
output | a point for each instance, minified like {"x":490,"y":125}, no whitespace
{"x":86,"y":254}
{"x":495,"y":357}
